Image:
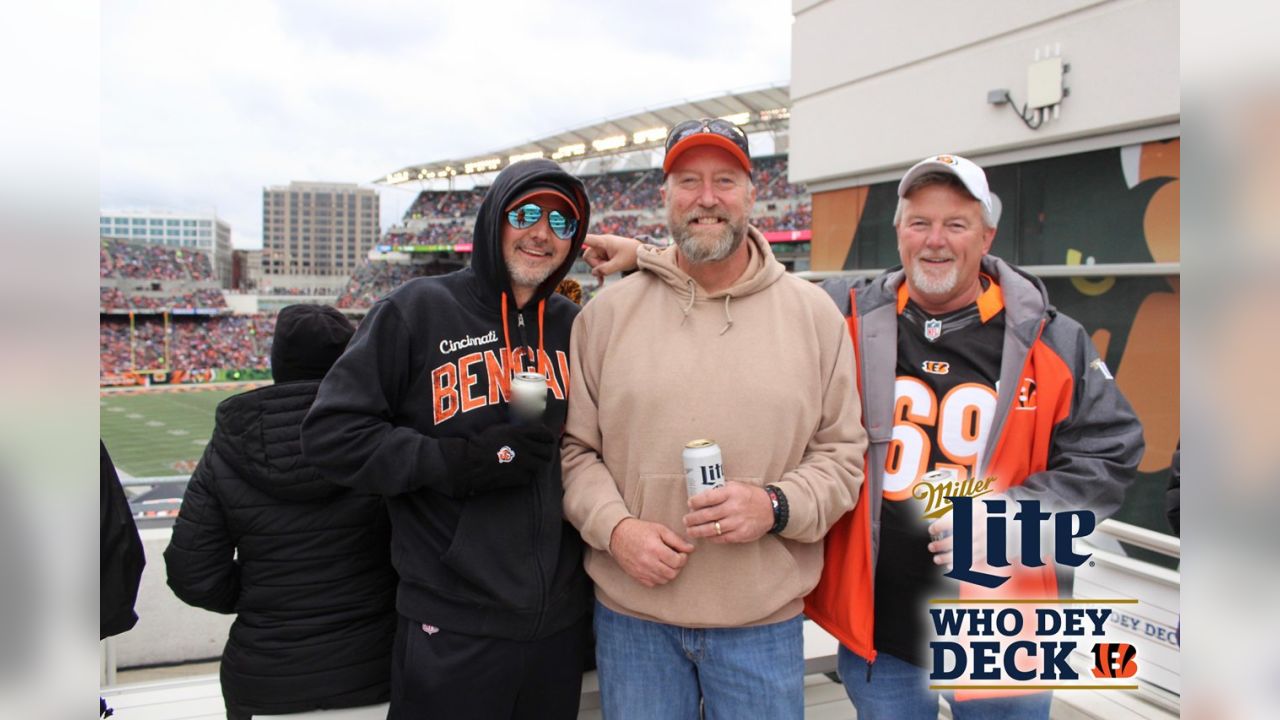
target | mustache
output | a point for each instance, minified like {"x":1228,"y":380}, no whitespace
{"x":713,"y":215}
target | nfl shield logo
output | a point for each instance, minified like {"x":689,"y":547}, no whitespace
{"x":932,"y":330}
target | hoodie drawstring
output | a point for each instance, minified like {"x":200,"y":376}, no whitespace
{"x":688,"y":307}
{"x":542,"y":306}
{"x":506,"y":333}
{"x":728,"y":319}
{"x":506,"y":339}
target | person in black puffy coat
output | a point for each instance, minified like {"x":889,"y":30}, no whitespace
{"x":304,"y":563}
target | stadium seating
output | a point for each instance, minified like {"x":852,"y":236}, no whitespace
{"x":622,"y":203}
{"x":148,"y":280}
{"x":120,"y":259}
{"x":136,"y":277}
{"x":194,"y":343}
{"x":372,"y":280}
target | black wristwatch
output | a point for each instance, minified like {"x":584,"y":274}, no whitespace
{"x":781,"y":511}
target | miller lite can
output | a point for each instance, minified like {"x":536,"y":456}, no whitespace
{"x":528,"y":396}
{"x":941,"y":475}
{"x":703,"y":466}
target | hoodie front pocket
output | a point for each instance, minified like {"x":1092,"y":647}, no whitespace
{"x":662,"y":499}
{"x":493,"y":550}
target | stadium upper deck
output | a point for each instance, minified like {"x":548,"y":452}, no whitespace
{"x":628,"y":142}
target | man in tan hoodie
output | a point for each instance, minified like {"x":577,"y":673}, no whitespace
{"x":699,"y":599}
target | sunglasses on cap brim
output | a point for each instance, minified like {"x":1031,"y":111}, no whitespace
{"x":528,"y":214}
{"x":723,"y":128}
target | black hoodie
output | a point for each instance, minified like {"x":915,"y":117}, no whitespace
{"x":430,"y":363}
{"x":304,"y":563}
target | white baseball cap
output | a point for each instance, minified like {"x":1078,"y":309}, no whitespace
{"x":974,"y":179}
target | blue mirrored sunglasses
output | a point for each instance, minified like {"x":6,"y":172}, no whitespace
{"x":528,"y":215}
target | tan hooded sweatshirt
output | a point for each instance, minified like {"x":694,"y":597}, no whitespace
{"x":765,"y":368}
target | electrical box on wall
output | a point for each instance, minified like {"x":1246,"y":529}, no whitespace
{"x":1044,"y":83}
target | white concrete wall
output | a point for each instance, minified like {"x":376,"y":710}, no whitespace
{"x":877,"y":86}
{"x":168,"y":630}
{"x":242,"y":303}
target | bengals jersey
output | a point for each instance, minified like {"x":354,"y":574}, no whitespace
{"x":944,"y":402}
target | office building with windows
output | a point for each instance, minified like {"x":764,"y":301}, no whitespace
{"x":315,"y":234}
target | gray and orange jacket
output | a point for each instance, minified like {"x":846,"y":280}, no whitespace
{"x":1063,"y":434}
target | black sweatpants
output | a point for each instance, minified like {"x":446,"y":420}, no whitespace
{"x":440,"y":674}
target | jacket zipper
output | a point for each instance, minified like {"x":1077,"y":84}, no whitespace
{"x":524,"y":341}
{"x":537,"y":561}
{"x":537,"y":503}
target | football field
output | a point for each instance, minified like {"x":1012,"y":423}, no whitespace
{"x":161,"y":432}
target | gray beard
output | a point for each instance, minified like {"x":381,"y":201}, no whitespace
{"x":520,"y":277}
{"x":700,"y":250}
{"x":929,"y":285}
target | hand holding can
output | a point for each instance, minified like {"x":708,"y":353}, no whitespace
{"x":528,"y":397}
{"x":703,"y":466}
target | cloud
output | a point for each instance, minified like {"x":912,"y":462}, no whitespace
{"x":204,"y":104}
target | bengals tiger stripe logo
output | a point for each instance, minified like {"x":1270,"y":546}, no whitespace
{"x":935,"y":367}
{"x":1114,"y":660}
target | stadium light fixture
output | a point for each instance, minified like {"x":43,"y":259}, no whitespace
{"x":485,"y":165}
{"x":525,"y":156}
{"x":396,"y":178}
{"x":741,"y":118}
{"x":775,"y":114}
{"x":612,"y":142}
{"x":568,"y":150}
{"x":657,"y":134}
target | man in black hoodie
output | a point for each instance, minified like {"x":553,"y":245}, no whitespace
{"x":303,"y":562}
{"x":492,"y":595}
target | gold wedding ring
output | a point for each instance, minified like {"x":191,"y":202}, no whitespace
{"x":718,"y":530}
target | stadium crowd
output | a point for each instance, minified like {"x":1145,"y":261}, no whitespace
{"x":447,"y":204}
{"x":771,"y":180}
{"x":625,"y":191}
{"x":194,"y":343}
{"x":244,"y":341}
{"x":372,"y":280}
{"x":450,"y":233}
{"x":115,"y":300}
{"x":798,"y":218}
{"x":120,"y":259}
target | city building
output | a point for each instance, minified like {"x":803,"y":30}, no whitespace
{"x":314,"y":235}
{"x":199,"y":231}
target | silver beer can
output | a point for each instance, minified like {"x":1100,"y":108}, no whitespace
{"x":941,"y":475}
{"x":703,"y":466}
{"x":528,"y":396}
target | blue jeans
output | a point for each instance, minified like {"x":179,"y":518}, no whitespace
{"x":899,"y":690}
{"x":652,"y":671}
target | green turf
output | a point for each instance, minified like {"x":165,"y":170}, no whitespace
{"x":159,"y":433}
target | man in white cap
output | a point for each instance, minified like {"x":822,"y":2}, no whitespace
{"x":965,"y":368}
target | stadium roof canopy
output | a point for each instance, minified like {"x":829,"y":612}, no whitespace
{"x":766,"y":109}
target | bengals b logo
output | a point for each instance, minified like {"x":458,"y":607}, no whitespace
{"x":1114,"y":660}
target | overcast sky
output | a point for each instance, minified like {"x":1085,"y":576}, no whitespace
{"x":205,"y":103}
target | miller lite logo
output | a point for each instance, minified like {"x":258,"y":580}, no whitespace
{"x":506,"y":454}
{"x":932,"y":330}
